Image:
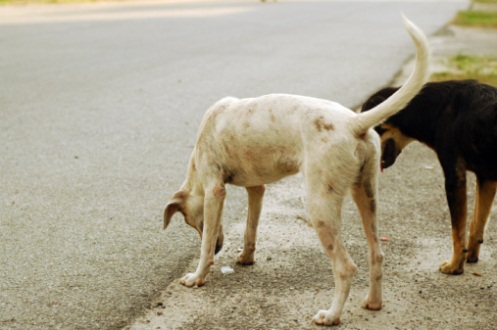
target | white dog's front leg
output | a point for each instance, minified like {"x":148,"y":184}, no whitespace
{"x":204,"y":265}
{"x":255,"y":195}
{"x":213,"y":207}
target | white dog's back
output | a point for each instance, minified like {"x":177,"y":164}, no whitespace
{"x":261,"y":140}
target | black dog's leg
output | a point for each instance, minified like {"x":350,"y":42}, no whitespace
{"x":455,"y":189}
{"x":485,"y":194}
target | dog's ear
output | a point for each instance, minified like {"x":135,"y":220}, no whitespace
{"x":378,"y":98}
{"x":174,"y":205}
{"x":373,"y":101}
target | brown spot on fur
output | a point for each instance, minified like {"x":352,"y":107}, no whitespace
{"x":372,"y":206}
{"x":330,"y":247}
{"x":368,"y":189}
{"x":320,"y":224}
{"x":249,"y":154}
{"x":375,"y":234}
{"x":321,"y":124}
{"x":219,"y":191}
{"x":328,"y":127}
{"x":331,"y":189}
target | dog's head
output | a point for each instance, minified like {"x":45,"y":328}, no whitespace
{"x":192,"y":208}
{"x":392,"y":139}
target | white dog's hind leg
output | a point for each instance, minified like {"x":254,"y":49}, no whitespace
{"x":213,"y":207}
{"x":343,"y":271}
{"x":255,"y":195}
{"x":364,"y":194}
{"x":325,"y":210}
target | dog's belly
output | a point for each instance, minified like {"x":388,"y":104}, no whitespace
{"x":253,"y":167}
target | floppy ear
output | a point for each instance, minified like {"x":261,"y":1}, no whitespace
{"x":173,"y":206}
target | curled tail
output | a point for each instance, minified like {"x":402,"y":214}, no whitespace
{"x":409,"y":90}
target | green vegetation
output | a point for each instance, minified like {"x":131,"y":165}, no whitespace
{"x":483,"y":69}
{"x":487,"y":19}
{"x":486,"y":1}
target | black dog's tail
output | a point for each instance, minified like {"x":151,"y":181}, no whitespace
{"x":409,"y":90}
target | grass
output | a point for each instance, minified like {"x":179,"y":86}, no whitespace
{"x":486,"y":19}
{"x":483,"y":69}
{"x":485,"y":1}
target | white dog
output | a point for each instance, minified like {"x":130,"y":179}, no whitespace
{"x":251,"y":142}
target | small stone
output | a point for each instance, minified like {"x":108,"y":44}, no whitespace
{"x":227,"y":270}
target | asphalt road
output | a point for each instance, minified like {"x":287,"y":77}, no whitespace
{"x":99,"y":106}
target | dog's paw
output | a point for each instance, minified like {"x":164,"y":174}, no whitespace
{"x":245,"y":260}
{"x":372,"y":304}
{"x":473,"y":250}
{"x":472,"y":255}
{"x":448,"y":268}
{"x":192,"y":279}
{"x":472,"y":259}
{"x":326,"y":318}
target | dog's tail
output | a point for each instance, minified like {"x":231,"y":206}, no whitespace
{"x":403,"y":96}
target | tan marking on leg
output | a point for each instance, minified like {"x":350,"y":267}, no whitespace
{"x":456,"y":265}
{"x":455,"y":188}
{"x":484,"y":198}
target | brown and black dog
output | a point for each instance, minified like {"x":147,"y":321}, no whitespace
{"x":458,"y":120}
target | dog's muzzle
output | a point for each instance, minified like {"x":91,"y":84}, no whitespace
{"x":389,"y":154}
